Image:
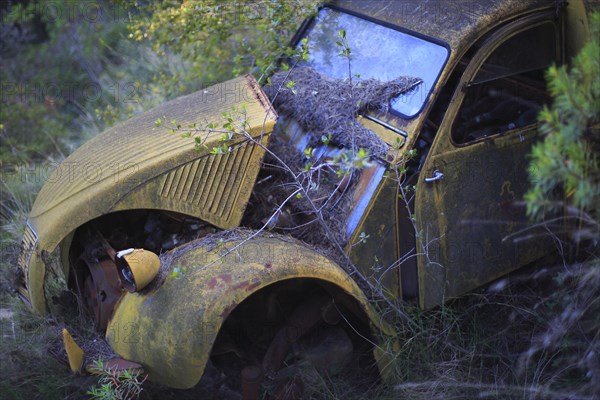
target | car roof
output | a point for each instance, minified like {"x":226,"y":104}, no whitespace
{"x":457,"y":23}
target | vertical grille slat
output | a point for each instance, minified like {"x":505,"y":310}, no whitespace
{"x":202,"y":172}
{"x":228,"y":165}
{"x":214,"y":184}
{"x":28,"y":244}
{"x":234,"y":182}
{"x":176,"y":181}
{"x":190,"y":189}
{"x":185,"y":175}
{"x":216,"y":175}
{"x":167,"y":185}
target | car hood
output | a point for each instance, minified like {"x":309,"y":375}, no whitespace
{"x":128,"y":152}
{"x":106,"y":171}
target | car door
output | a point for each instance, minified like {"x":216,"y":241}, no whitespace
{"x":472,"y":226}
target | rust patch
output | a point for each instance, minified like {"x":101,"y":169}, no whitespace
{"x":240,"y":285}
{"x":259,"y":95}
{"x":212,"y":283}
{"x":245,"y":285}
{"x":228,"y":309}
{"x":219,"y":280}
{"x":119,"y":364}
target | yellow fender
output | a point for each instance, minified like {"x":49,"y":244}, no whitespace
{"x":171,"y":330}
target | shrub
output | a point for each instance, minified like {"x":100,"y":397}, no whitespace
{"x":564,"y":169}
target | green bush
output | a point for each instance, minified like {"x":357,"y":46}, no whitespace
{"x":219,"y":39}
{"x":564,"y":170}
{"x":68,"y":71}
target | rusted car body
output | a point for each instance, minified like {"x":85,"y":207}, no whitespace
{"x":472,"y":127}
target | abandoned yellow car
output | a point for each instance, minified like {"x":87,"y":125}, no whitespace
{"x":238,"y":248}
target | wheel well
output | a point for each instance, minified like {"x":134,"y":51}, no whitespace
{"x":248,"y":337}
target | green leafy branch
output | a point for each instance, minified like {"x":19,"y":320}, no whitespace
{"x":116,"y":384}
{"x":234,"y":121}
{"x":220,"y":39}
{"x":565,"y":164}
{"x":345,"y":51}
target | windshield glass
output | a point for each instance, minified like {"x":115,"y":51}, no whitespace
{"x":376,"y":52}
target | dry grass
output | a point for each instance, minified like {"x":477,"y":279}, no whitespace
{"x":322,"y":104}
{"x":537,"y":338}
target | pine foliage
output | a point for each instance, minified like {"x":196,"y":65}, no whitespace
{"x":565,"y":170}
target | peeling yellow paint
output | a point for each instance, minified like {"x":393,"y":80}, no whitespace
{"x":74,"y":352}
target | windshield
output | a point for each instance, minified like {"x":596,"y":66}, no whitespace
{"x":376,"y":52}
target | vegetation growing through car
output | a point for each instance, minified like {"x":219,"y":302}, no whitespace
{"x":456,"y":341}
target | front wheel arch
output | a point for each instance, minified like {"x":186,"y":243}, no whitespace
{"x":171,"y":330}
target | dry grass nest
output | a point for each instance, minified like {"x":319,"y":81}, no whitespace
{"x":324,"y":105}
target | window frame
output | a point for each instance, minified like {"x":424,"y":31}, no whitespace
{"x":487,"y":48}
{"x":309,"y":23}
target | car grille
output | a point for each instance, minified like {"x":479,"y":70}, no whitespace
{"x":28,"y":244}
{"x":216,"y":185}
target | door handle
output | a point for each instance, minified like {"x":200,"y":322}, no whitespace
{"x":436,"y":176}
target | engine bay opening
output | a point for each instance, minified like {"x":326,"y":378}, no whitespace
{"x":99,"y":248}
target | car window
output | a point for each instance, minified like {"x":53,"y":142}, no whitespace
{"x":509,"y":89}
{"x":376,"y":52}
